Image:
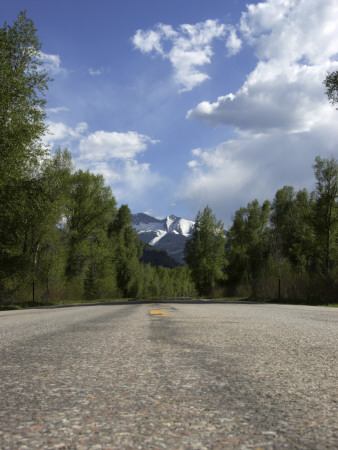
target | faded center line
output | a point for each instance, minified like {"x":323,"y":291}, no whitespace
{"x":157,"y":312}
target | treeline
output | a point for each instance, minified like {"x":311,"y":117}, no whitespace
{"x":62,"y":236}
{"x":287,"y":248}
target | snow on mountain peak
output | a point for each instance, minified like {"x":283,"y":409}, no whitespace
{"x":168,"y":234}
{"x":147,"y":224}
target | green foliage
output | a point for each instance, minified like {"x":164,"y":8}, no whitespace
{"x":294,"y":245}
{"x":249,"y":242}
{"x":22,"y":103}
{"x":88,"y":210}
{"x":292,"y":233}
{"x":326,"y":212}
{"x":156,"y":257}
{"x":205,"y":251}
{"x":126,"y":253}
{"x":331,"y":84}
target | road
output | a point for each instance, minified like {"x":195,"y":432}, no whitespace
{"x":177,"y":376}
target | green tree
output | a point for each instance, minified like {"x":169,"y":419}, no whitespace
{"x":33,"y":209}
{"x":89,"y":209}
{"x":249,"y":243}
{"x":292,"y":232}
{"x":22,"y":103}
{"x":23,"y":83}
{"x":331,"y":84}
{"x":326,"y":211}
{"x":127,"y":250}
{"x":205,"y":251}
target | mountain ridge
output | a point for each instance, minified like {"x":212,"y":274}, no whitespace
{"x":170,"y":233}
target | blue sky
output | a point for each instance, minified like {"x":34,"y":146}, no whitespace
{"x":180,"y":104}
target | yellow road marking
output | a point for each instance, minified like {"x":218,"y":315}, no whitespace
{"x":157,"y":312}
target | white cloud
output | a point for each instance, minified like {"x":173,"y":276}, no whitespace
{"x":275,"y":96}
{"x":292,"y":29}
{"x":240,"y":170}
{"x":233,"y":43}
{"x":189,"y":48}
{"x":108,"y":145}
{"x":94,"y":72}
{"x":52,"y":63}
{"x":111,"y":154}
{"x":57,"y":110}
{"x":114,"y":155}
{"x":281,"y":115}
{"x":61,"y":134}
{"x":130,"y":180}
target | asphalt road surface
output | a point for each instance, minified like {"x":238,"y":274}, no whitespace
{"x":176,"y":376}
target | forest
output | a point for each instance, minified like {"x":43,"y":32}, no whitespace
{"x":63,"y":238}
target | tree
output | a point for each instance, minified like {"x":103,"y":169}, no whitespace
{"x":22,"y":112}
{"x":127,"y":250}
{"x":292,"y":231}
{"x":33,"y":209}
{"x":22,"y":103}
{"x":205,"y":251}
{"x":89,"y":209}
{"x":326,"y":211}
{"x":249,"y":243}
{"x":331,"y":84}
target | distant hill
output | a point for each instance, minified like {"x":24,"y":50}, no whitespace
{"x":156,"y":257}
{"x":170,"y":234}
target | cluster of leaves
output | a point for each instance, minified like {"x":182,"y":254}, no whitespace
{"x":62,"y":236}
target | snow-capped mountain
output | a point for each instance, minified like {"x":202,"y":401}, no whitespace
{"x":169,"y":234}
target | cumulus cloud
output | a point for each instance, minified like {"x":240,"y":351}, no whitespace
{"x":108,"y":145}
{"x":112,"y":154}
{"x":115,"y":156}
{"x":61,"y":134}
{"x":280,"y":114}
{"x":233,"y":43}
{"x":275,"y":96}
{"x":188,"y":48}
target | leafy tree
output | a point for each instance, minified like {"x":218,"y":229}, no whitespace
{"x":205,"y":251}
{"x":22,"y":112}
{"x":89,"y":209}
{"x":249,"y":243}
{"x":331,"y":84}
{"x":292,"y":232}
{"x":34,"y":208}
{"x":127,"y":249}
{"x":22,"y":103}
{"x":326,"y":211}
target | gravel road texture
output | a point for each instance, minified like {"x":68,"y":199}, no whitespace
{"x":176,"y":376}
